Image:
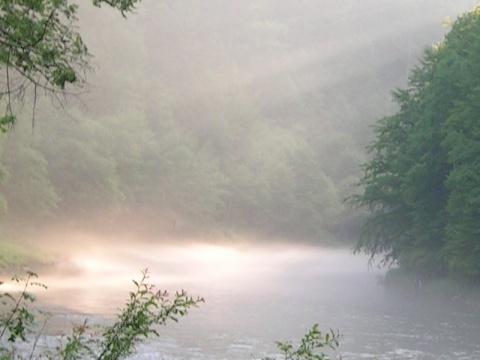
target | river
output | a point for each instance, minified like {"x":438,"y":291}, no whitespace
{"x":255,"y":295}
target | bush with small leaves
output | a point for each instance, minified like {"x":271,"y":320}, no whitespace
{"x":311,"y":346}
{"x":144,"y":310}
{"x":17,"y":319}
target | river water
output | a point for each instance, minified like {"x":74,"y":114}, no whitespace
{"x":255,"y":295}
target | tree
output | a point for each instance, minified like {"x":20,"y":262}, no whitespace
{"x":41,"y":49}
{"x":28,"y":191}
{"x":3,"y":178}
{"x":422,"y":184}
{"x":462,"y":140}
{"x":81,"y":165}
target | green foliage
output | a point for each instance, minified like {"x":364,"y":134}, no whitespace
{"x":311,"y":346}
{"x":461,"y":138}
{"x":422,"y":184}
{"x":13,"y":254}
{"x":125,"y":6}
{"x":259,"y":136}
{"x":29,"y":192}
{"x":3,"y":179}
{"x":145,"y":309}
{"x":40,"y":47}
{"x":6,"y":121}
{"x":77,"y":344}
{"x":81,"y":166}
{"x":17,"y":321}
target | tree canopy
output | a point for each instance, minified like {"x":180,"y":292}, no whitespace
{"x":422,"y":184}
{"x":41,"y":49}
{"x":226,"y":117}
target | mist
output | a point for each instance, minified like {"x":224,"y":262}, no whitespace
{"x":219,"y":119}
{"x":255,"y":294}
{"x":215,"y":146}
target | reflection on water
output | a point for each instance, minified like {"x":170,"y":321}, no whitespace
{"x":258,"y":294}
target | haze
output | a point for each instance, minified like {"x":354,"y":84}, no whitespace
{"x":215,"y":146}
{"x":219,"y":119}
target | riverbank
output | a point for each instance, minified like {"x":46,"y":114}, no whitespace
{"x":15,"y":255}
{"x":447,"y":289}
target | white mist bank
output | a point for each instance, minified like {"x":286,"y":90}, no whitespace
{"x":92,"y":267}
{"x":254,"y":295}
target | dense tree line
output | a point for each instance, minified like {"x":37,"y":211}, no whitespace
{"x":422,"y":184}
{"x":118,"y":168}
{"x":242,"y":116}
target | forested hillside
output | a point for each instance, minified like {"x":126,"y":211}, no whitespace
{"x":233,"y":116}
{"x":422,"y":185}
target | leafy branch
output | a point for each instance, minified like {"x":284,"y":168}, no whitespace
{"x":144,"y":310}
{"x":311,"y":346}
{"x":41,"y":47}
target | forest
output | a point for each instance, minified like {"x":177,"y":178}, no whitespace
{"x":253,"y":117}
{"x":422,"y":184}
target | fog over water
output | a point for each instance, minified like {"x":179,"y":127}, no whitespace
{"x":256,"y":295}
{"x":239,"y":117}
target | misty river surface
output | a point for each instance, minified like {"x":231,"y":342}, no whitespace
{"x":256,"y":295}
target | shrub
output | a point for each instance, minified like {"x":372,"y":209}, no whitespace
{"x":145,"y":308}
{"x":311,"y":346}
